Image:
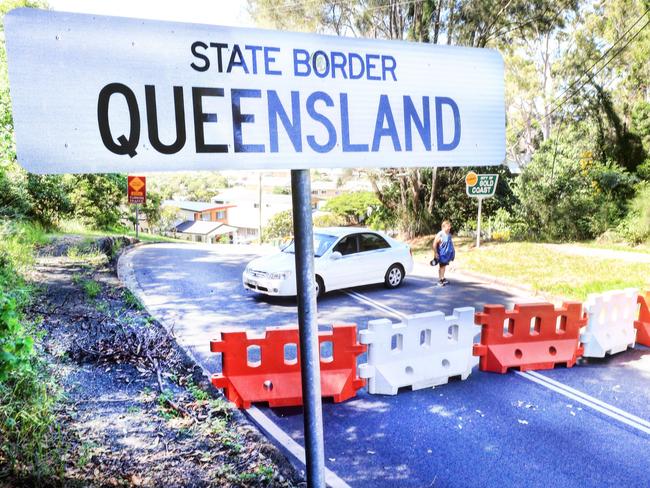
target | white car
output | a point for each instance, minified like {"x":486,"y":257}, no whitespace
{"x":343,"y":256}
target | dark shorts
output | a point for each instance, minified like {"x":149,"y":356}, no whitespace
{"x":442,"y":263}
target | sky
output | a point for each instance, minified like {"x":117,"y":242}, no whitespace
{"x":218,"y":12}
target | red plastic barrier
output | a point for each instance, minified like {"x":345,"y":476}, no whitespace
{"x":532,"y":336}
{"x":276,"y":380}
{"x":643,"y":324}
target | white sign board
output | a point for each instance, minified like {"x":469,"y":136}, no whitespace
{"x":109,"y":94}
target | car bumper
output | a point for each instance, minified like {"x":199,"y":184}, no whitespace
{"x":268,"y":286}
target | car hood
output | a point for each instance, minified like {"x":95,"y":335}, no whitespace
{"x":274,"y":263}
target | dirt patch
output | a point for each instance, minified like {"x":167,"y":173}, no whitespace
{"x":137,"y":411}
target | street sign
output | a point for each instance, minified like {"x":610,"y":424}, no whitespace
{"x":111,"y":94}
{"x":481,"y":186}
{"x":137,"y":190}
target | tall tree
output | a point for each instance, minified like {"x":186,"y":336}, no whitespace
{"x":412,"y":193}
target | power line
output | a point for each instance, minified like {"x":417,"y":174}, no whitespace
{"x":591,"y":78}
{"x":561,"y":98}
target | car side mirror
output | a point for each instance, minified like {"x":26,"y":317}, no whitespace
{"x":336,"y":255}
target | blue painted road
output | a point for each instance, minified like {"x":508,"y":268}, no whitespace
{"x":508,"y":430}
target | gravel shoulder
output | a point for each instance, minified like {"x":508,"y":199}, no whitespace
{"x":135,"y":409}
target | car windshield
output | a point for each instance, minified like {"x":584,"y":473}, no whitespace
{"x":322,"y":242}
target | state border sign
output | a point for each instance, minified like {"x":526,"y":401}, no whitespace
{"x":109,"y":94}
{"x":481,"y":186}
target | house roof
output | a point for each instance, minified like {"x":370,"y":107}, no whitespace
{"x":194,"y":206}
{"x":203,"y":228}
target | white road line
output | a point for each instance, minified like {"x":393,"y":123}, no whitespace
{"x":292,"y":446}
{"x":596,"y":405}
{"x":614,"y":409}
{"x":587,"y":400}
{"x":379,"y":306}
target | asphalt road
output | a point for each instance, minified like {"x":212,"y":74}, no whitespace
{"x":584,"y":426}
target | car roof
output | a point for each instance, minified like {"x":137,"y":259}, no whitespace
{"x":342,"y":231}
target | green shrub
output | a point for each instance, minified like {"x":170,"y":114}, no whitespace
{"x":329,"y":220}
{"x":635,"y":227}
{"x":91,"y":288}
{"x":30,"y":443}
{"x":564,"y":195}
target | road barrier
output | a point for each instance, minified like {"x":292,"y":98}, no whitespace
{"x":427,"y":349}
{"x":611,"y":322}
{"x":266,"y":367}
{"x":531,"y":336}
{"x":422,"y":352}
{"x":642,"y":325}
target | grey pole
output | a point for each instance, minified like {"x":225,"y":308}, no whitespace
{"x":478,"y":223}
{"x":137,"y":220}
{"x":308,"y":326}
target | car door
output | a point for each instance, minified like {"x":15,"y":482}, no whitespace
{"x":344,"y":272}
{"x":374,"y":257}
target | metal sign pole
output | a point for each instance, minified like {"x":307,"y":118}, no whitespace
{"x":308,"y":325}
{"x":137,"y":220}
{"x":478,"y":224}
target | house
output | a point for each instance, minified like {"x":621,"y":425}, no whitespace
{"x":245,"y":213}
{"x":201,"y":221}
{"x":208,"y":232}
{"x":206,"y":211}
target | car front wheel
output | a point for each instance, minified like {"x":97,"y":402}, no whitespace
{"x":394,"y":276}
{"x":320,"y":287}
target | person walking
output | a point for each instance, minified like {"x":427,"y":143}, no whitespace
{"x":443,"y":250}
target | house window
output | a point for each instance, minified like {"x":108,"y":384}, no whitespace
{"x":205,"y":217}
{"x":221,"y":214}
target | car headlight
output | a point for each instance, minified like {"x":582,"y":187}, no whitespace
{"x":282,"y":275}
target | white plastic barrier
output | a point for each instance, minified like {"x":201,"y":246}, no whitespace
{"x":611,"y":322}
{"x":422,"y":352}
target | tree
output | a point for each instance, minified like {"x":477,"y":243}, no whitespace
{"x":151,"y":209}
{"x":565,"y":194}
{"x":48,"y":199}
{"x":169,"y":215}
{"x":97,"y":198}
{"x":280,"y":226}
{"x":355,"y":207}
{"x":199,"y":186}
{"x":411,"y":194}
{"x":41,"y":198}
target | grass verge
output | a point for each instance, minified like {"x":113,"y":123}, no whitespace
{"x":549,"y":272}
{"x":74,"y":227}
{"x":30,"y":447}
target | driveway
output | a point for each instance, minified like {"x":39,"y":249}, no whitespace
{"x":584,"y":426}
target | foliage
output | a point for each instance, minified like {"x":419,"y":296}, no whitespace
{"x":280,"y":226}
{"x":193,"y":186}
{"x":152,"y":210}
{"x":169,"y":215}
{"x":635,"y":227}
{"x":548,"y":47}
{"x":48,"y":199}
{"x":27,"y":394}
{"x":354,"y":207}
{"x":565,"y":196}
{"x":91,"y":288}
{"x":329,"y":220}
{"x":97,"y":198}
